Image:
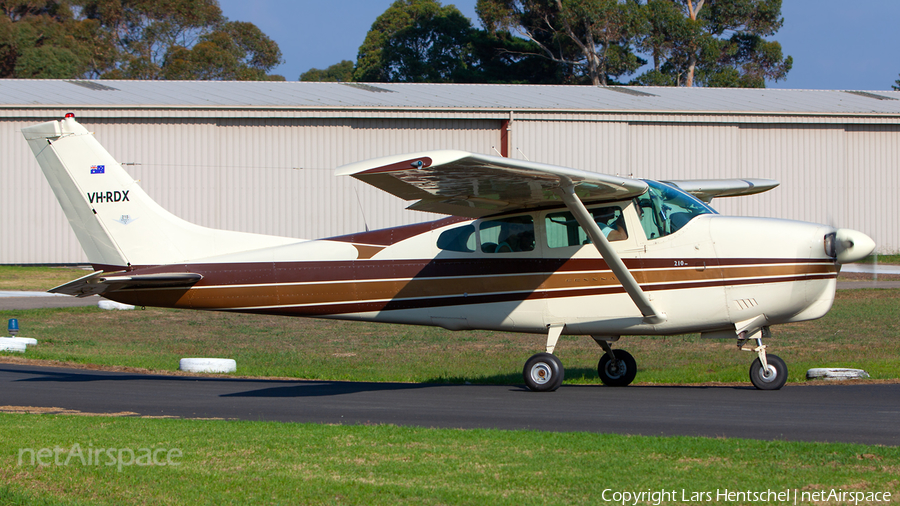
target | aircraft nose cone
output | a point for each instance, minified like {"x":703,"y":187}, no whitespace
{"x":852,"y":245}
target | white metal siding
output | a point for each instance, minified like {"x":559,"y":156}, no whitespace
{"x":595,"y":146}
{"x":33,"y":228}
{"x":275,"y":175}
{"x":872,"y":168}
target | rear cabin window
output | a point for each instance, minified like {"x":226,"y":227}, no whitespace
{"x":507,"y":235}
{"x":564,"y":231}
{"x":458,"y":239}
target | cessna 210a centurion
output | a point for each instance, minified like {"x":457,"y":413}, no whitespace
{"x":529,"y":247}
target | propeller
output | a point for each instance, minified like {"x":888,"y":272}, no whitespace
{"x":847,"y":245}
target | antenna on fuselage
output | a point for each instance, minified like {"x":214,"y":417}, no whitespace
{"x":358,"y":201}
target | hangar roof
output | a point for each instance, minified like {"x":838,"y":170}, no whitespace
{"x":19,"y":93}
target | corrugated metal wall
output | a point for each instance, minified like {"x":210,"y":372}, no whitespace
{"x":275,"y":176}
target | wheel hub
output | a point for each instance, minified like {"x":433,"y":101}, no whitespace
{"x":615,"y":369}
{"x":768,"y":374}
{"x":541,"y":373}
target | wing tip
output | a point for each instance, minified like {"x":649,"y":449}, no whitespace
{"x":400,"y":162}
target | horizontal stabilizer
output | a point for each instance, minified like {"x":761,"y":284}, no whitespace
{"x":101,"y":282}
{"x":475,"y":185}
{"x":708,"y":189}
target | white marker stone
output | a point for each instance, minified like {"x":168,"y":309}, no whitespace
{"x":219,"y":365}
{"x":9,"y":344}
{"x":28,"y":341}
{"x":831,"y":373}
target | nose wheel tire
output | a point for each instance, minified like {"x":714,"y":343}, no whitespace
{"x":771,"y":379}
{"x":619,"y":373}
{"x":543,"y":373}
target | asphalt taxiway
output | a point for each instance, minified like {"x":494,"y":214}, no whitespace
{"x":867,"y":413}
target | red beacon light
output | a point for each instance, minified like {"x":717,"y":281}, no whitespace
{"x":70,"y":115}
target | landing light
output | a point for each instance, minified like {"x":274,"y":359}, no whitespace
{"x":829,"y":245}
{"x":13,"y":327}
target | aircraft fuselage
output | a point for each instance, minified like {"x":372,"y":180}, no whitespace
{"x":705,"y":276}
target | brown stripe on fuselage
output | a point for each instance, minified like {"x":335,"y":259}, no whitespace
{"x":363,"y":307}
{"x":389,"y":236}
{"x":439,"y":282}
{"x":355,"y":270}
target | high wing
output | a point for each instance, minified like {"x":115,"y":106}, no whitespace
{"x":474,"y":185}
{"x":100,"y":282}
{"x":708,"y":189}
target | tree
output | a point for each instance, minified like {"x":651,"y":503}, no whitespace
{"x":687,"y":40}
{"x":339,"y":72}
{"x":591,"y":37}
{"x":130,"y":39}
{"x":502,"y":58}
{"x":703,"y":42}
{"x":416,"y":41}
{"x":183,"y":39}
{"x":44,"y":39}
{"x":423,"y":41}
{"x":236,"y":51}
{"x":896,"y":86}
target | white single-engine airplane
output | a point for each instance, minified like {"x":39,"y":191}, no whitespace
{"x":530,"y":247}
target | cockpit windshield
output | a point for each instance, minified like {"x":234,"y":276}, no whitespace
{"x":665,"y":209}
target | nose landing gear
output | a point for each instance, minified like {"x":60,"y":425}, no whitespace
{"x":767,"y":372}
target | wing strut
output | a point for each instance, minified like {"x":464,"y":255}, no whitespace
{"x":566,"y":191}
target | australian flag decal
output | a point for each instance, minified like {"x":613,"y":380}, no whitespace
{"x":98,"y":169}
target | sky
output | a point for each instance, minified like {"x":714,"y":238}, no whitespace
{"x":835,"y":44}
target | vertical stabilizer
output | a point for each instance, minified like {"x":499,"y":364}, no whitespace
{"x":115,"y":221}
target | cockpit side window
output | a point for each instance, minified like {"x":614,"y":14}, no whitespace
{"x":507,"y":235}
{"x":664,"y":209}
{"x":563,"y":230}
{"x":460,"y":239}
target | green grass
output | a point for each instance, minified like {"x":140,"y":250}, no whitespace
{"x":36,"y":279}
{"x":229,"y":462}
{"x":860,"y":332}
{"x":232,"y":462}
{"x":882,"y":259}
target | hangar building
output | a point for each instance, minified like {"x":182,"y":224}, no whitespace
{"x":259,"y":156}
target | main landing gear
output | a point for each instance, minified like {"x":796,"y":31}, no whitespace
{"x":767,"y":372}
{"x":544,"y":372}
{"x":616,"y":368}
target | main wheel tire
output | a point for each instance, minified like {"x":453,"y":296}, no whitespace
{"x":543,"y":372}
{"x":618,"y":374}
{"x":774,"y":378}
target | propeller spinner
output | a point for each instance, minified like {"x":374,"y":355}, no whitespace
{"x":846,"y":245}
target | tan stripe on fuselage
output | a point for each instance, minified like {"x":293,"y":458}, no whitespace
{"x":349,"y":291}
